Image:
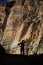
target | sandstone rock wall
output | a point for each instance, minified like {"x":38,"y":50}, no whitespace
{"x":24,"y":21}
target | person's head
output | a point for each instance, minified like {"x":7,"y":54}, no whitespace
{"x":22,"y":40}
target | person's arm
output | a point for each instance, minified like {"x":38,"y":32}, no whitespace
{"x":18,"y":44}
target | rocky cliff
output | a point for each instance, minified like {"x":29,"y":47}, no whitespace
{"x":22,"y":20}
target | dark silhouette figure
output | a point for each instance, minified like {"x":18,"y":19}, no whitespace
{"x":27,"y":50}
{"x":2,"y":50}
{"x":21,"y":44}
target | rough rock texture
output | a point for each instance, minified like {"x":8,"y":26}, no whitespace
{"x":22,"y":20}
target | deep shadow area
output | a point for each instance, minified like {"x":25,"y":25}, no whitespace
{"x":2,"y":50}
{"x":11,"y":59}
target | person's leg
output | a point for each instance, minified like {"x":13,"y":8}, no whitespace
{"x":20,"y":51}
{"x":23,"y":51}
{"x":27,"y":51}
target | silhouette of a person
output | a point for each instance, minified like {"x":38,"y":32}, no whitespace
{"x":27,"y":50}
{"x":21,"y":44}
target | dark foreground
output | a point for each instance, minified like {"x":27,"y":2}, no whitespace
{"x":8,"y":59}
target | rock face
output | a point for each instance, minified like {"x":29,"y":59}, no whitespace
{"x":22,"y":20}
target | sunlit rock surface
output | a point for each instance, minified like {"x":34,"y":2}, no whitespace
{"x":24,"y":21}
